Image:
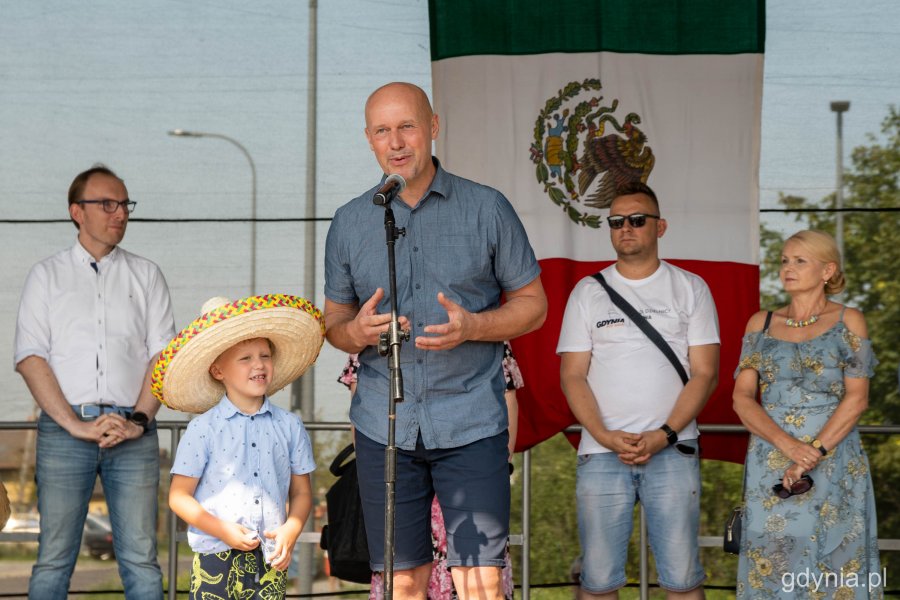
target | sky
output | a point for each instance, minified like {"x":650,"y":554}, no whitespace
{"x":104,"y":81}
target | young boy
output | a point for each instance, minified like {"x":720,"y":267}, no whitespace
{"x":244,"y":459}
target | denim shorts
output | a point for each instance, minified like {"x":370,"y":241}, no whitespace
{"x":472,"y":486}
{"x":668,"y":487}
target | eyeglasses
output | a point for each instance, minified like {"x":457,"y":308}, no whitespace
{"x":112,"y":206}
{"x":636,"y":220}
{"x":801,"y":486}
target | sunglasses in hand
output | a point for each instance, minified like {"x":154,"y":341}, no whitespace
{"x":801,"y":486}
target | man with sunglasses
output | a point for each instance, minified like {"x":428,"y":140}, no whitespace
{"x":639,"y":436}
{"x":92,"y":320}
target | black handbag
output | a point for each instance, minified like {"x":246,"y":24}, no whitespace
{"x":344,"y":537}
{"x":731,"y":542}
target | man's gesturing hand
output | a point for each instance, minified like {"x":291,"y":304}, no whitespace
{"x":369,"y":323}
{"x":451,"y":334}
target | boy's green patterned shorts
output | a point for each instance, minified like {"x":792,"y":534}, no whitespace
{"x":236,"y":574}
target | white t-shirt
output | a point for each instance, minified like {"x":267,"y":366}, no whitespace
{"x":634,"y":384}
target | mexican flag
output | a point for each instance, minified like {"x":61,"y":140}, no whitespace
{"x":556,"y":103}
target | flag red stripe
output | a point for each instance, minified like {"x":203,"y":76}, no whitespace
{"x":543,"y":409}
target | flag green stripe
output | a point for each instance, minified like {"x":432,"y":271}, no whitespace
{"x":468,"y":27}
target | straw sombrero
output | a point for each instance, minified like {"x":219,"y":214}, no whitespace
{"x":181,"y":378}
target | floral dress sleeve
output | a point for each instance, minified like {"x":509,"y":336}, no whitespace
{"x":348,"y":374}
{"x":857,"y":356}
{"x":511,"y":370}
{"x":751,"y":353}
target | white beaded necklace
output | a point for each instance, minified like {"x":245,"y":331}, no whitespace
{"x":805,"y":322}
{"x":792,"y":323}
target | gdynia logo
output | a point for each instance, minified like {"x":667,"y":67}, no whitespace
{"x":582,"y":152}
{"x":606,"y":322}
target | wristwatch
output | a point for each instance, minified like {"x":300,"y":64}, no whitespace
{"x":139,"y":418}
{"x":671,"y":436}
{"x":818,"y":446}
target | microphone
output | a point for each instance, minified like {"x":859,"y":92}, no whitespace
{"x":393,"y":185}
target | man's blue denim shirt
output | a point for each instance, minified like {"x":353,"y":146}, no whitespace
{"x":465,"y":240}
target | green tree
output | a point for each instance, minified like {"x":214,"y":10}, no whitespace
{"x":872,"y":268}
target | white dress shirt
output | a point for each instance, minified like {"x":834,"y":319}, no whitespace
{"x":97,"y":328}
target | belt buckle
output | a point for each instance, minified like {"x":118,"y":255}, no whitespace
{"x":101,"y":408}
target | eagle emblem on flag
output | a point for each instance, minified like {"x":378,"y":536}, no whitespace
{"x":582,"y":152}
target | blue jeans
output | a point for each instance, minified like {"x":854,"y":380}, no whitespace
{"x":66,"y":470}
{"x":668,"y":487}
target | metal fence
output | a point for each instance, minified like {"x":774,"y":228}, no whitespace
{"x":522,"y":538}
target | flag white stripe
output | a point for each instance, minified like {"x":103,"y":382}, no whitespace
{"x":700,"y":114}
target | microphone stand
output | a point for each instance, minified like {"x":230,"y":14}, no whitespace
{"x":389,"y":345}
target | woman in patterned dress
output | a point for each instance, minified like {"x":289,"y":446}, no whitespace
{"x":440,"y":585}
{"x":809,"y":527}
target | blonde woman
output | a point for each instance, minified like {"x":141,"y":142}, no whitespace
{"x":809,"y":506}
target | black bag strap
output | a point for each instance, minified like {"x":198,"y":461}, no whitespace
{"x":768,"y":320}
{"x":336,"y":468}
{"x":644,"y":326}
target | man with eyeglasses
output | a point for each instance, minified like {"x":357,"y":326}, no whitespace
{"x":92,"y":320}
{"x":639,"y":436}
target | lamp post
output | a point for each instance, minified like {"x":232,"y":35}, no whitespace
{"x":199,"y":134}
{"x":839,"y":108}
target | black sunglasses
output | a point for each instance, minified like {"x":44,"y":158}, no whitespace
{"x":112,"y":206}
{"x":636,"y":220}
{"x":801,"y":486}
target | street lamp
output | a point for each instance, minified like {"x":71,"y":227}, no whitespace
{"x":839,"y":108}
{"x":199,"y":134}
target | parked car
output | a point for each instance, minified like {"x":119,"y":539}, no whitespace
{"x":22,"y":523}
{"x":97,"y":537}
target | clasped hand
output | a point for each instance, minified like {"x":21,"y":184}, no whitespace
{"x":804,"y":455}
{"x":635,"y":448}
{"x":108,"y":430}
{"x":792,"y":474}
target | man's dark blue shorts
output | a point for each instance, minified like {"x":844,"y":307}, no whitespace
{"x":472,"y":486}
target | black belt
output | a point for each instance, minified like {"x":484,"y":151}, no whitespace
{"x":94,"y":410}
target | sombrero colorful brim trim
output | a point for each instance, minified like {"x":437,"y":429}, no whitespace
{"x":294,"y":325}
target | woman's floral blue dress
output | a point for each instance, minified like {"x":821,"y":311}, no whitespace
{"x":825,"y":539}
